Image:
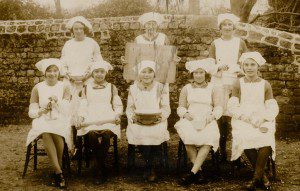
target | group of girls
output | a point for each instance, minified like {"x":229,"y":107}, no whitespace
{"x":215,"y":92}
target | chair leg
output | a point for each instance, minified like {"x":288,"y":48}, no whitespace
{"x":184,"y":156}
{"x":161,"y":156}
{"x":66,"y":158}
{"x":215,"y":160}
{"x":27,"y":160}
{"x":86,"y":151}
{"x":166,"y":157}
{"x":35,"y":155}
{"x":179,"y":153}
{"x":79,"y":161}
{"x":116,"y":153}
{"x":130,"y":156}
{"x":273,"y":168}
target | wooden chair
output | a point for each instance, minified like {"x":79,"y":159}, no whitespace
{"x":41,"y":152}
{"x":270,"y":168}
{"x":164,"y":161}
{"x":84,"y":152}
{"x":182,"y":151}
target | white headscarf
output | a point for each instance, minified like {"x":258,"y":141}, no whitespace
{"x":42,"y":65}
{"x":227,"y":16}
{"x":206,"y":64}
{"x":101,"y":64}
{"x":81,"y":19}
{"x":255,"y":56}
{"x":147,"y":64}
{"x":151,"y":16}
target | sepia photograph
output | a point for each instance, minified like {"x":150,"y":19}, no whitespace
{"x":140,"y":95}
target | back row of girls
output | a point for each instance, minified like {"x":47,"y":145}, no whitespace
{"x":202,"y":103}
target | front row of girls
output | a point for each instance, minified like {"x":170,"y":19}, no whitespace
{"x":252,"y":107}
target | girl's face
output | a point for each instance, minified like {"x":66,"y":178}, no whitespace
{"x":78,"y":30}
{"x":52,"y":73}
{"x":227,"y":28}
{"x":250,"y":67}
{"x":99,"y":75}
{"x":151,"y":27}
{"x":147,"y":75}
{"x":199,"y":75}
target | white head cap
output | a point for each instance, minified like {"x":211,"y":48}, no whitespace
{"x":42,"y":65}
{"x":253,"y":55}
{"x":227,"y":16}
{"x":81,"y":19}
{"x":147,"y":64}
{"x":101,"y":64}
{"x":206,"y":64}
{"x":151,"y":16}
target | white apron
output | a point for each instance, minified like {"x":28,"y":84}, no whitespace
{"x":198,"y":132}
{"x":100,"y":108}
{"x":227,"y":53}
{"x":245,"y":135}
{"x":44,"y":124}
{"x":147,"y":135}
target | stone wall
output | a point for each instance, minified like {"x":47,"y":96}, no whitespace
{"x":23,"y":43}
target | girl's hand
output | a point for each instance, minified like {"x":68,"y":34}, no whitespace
{"x":245,"y":118}
{"x":53,"y":98}
{"x":223,"y":67}
{"x":209,"y":119}
{"x":78,"y":122}
{"x":188,"y":116}
{"x":123,"y":61}
{"x":118,"y":119}
{"x":134,"y":119}
{"x":43,"y":111}
{"x":159,"y":119}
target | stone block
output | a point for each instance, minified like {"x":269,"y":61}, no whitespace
{"x":21,"y":28}
{"x":23,"y":80}
{"x":272,"y":40}
{"x":297,"y":46}
{"x":286,"y":76}
{"x":11,"y":29}
{"x":32,"y":28}
{"x":285,"y":44}
{"x":288,"y":109}
{"x":55,"y":27}
{"x":241,"y":32}
{"x":30,"y":72}
{"x":270,"y":75}
{"x":286,"y":35}
{"x":293,"y":84}
{"x":282,"y":99}
{"x":277,"y":83}
{"x":207,"y":40}
{"x":255,"y":36}
{"x":173,"y":25}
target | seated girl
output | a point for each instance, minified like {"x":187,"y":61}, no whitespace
{"x":48,"y":108}
{"x":148,"y":97}
{"x":200,"y":106}
{"x":253,"y":111}
{"x":99,"y":116}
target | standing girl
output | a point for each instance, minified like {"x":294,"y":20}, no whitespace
{"x":226,"y":50}
{"x":151,"y":21}
{"x":147,"y":96}
{"x":200,"y":105}
{"x":253,"y":111}
{"x":77,"y":54}
{"x":100,"y":103}
{"x":48,"y":108}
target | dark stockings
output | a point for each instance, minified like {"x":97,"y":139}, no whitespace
{"x":258,"y":159}
{"x":99,"y":143}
